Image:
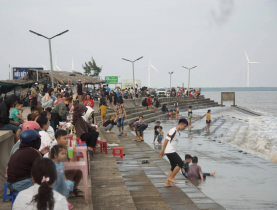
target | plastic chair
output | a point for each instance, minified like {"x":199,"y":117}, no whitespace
{"x":79,"y":155}
{"x":118,"y":154}
{"x":103,"y":146}
{"x":5,"y":196}
{"x":83,"y":151}
{"x":79,"y":166}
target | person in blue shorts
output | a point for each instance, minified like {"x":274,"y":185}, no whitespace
{"x":5,"y":122}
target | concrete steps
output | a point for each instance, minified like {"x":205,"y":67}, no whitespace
{"x":150,"y":115}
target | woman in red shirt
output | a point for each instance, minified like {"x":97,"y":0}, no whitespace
{"x":88,"y":101}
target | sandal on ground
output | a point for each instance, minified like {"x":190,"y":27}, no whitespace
{"x":77,"y":193}
{"x":120,"y":134}
{"x":70,"y":206}
{"x":91,"y":152}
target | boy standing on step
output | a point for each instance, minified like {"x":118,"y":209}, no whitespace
{"x":170,"y":148}
{"x":156,"y":131}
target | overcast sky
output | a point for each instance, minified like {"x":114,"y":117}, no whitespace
{"x":209,"y":34}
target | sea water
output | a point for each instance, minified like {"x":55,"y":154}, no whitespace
{"x":261,"y":134}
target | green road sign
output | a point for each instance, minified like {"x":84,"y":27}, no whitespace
{"x":111,"y":79}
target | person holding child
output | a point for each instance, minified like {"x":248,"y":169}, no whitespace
{"x":41,"y":195}
{"x":5,"y":122}
{"x":16,"y":114}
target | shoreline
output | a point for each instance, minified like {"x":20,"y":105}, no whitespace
{"x":232,"y":186}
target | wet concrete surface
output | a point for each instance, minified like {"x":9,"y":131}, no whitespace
{"x":242,"y":180}
{"x":146,"y":181}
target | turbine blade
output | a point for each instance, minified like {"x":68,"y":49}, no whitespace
{"x":154,"y":68}
{"x":246,"y":56}
{"x":58,"y":68}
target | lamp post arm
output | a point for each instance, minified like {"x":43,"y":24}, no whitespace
{"x":59,"y":34}
{"x":38,"y":34}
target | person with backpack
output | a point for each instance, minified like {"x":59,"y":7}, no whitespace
{"x":120,"y":116}
{"x":144,"y":102}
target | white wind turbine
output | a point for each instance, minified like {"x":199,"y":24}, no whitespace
{"x":72,"y":65}
{"x":44,"y":67}
{"x":248,"y":62}
{"x":56,"y":66}
{"x":149,"y":69}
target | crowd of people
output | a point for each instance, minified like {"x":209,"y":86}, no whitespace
{"x":35,"y":169}
{"x":183,"y":92}
{"x":36,"y":160}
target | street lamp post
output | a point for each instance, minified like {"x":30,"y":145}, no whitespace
{"x":50,"y":51}
{"x":189,"y":73}
{"x":134,"y":96}
{"x":170,"y":78}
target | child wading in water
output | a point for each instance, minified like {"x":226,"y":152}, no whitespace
{"x":160,"y":136}
{"x":170,"y":148}
{"x":186,"y":167}
{"x":59,"y":155}
{"x":189,"y":117}
{"x":195,"y":171}
{"x":208,"y":120}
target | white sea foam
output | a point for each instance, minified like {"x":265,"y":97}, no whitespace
{"x":257,"y":135}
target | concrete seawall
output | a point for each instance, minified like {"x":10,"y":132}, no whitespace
{"x":6,"y":144}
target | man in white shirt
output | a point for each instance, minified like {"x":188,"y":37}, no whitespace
{"x":170,"y":148}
